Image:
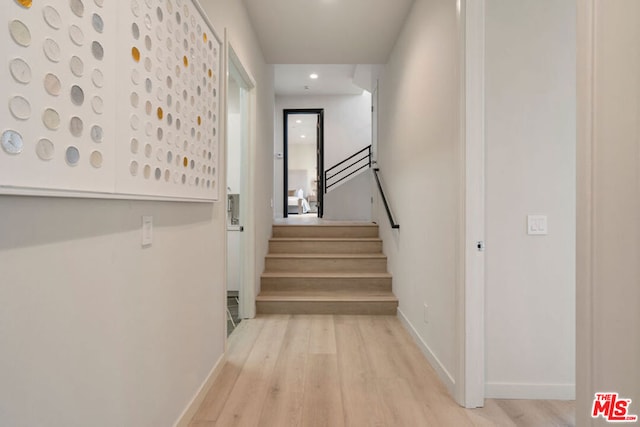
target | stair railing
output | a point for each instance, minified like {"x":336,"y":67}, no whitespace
{"x":393,"y":223}
{"x":362,"y":161}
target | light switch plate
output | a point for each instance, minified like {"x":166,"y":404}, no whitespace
{"x":147,"y":230}
{"x":537,"y":225}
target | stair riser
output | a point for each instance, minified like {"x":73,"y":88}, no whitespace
{"x":320,"y":247}
{"x":324,"y":231}
{"x":345,"y":265}
{"x":314,"y":284}
{"x":322,"y":307}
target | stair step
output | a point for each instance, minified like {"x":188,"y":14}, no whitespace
{"x":325,"y":245}
{"x":326,"y":263}
{"x":336,"y":282}
{"x":326,"y":303}
{"x":326,"y":230}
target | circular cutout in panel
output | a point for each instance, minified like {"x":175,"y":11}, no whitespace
{"x":146,"y":171}
{"x":169,"y":100}
{"x":20,"y":70}
{"x":160,"y":94}
{"x":97,"y":50}
{"x":169,"y":119}
{"x":159,"y":55}
{"x":77,"y":7}
{"x":159,"y":154}
{"x":52,"y":17}
{"x":51,"y":50}
{"x":135,"y":77}
{"x":77,"y":66}
{"x":184,"y":178}
{"x":77,"y":95}
{"x":76,"y":126}
{"x":12,"y":142}
{"x":148,"y":107}
{"x":97,"y":104}
{"x":147,"y":64}
{"x":147,"y":21}
{"x":25,"y":3}
{"x":97,"y":78}
{"x":135,"y":31}
{"x":133,"y":168}
{"x":76,"y":35}
{"x":159,"y":14}
{"x":158,"y":173}
{"x":178,"y":18}
{"x":52,"y":84}
{"x":97,"y":134}
{"x":160,"y":134}
{"x":20,"y":33}
{"x":134,"y":121}
{"x":96,"y":159}
{"x":72,"y":155}
{"x":99,"y":3}
{"x":148,"y":85}
{"x":135,"y":8}
{"x":134,"y":146}
{"x":167,"y":175}
{"x":135,"y":54}
{"x":159,"y":74}
{"x":147,"y":42}
{"x":51,"y":119}
{"x":160,"y":113}
{"x":169,"y":156}
{"x":185,"y":61}
{"x":20,"y":108}
{"x":135,"y":99}
{"x":159,"y":33}
{"x":45,"y":149}
{"x":97,"y":23}
{"x":148,"y":128}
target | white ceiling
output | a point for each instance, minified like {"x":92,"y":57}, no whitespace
{"x":334,"y":79}
{"x":303,"y":132}
{"x":327,"y":31}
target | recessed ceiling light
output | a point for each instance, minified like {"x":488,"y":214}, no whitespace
{"x":303,"y":136}
{"x":298,"y":121}
{"x":313,"y":76}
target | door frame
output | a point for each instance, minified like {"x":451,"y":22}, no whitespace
{"x":470,"y":391}
{"x":247,"y":263}
{"x":319,"y":150}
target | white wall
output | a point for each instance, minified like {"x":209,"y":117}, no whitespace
{"x":608,"y":205}
{"x":94,"y":328}
{"x":302,"y":157}
{"x":530,"y":169}
{"x":347,"y":129}
{"x":420,"y":161}
{"x":350,"y":201}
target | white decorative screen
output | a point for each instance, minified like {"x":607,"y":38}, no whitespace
{"x":112,"y":97}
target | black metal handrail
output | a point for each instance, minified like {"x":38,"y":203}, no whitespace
{"x":366,"y":157}
{"x":384,"y":200}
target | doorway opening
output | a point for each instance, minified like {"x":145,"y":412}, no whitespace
{"x":303,"y":162}
{"x":239,"y":124}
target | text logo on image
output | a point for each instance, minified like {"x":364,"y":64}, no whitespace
{"x":612,"y":408}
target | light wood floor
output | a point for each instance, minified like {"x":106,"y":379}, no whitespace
{"x":324,"y":370}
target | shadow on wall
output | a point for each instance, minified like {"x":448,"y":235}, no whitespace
{"x":32,"y":221}
{"x":350,"y":201}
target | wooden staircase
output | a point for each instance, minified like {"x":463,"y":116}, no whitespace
{"x":326,"y":269}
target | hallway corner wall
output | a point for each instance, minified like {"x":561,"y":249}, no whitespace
{"x":530,"y":100}
{"x":420,"y":160}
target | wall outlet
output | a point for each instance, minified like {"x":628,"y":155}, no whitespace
{"x":426,"y":313}
{"x":537,"y":225}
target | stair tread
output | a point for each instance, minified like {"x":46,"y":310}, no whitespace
{"x":331,"y":275}
{"x":330,"y":224}
{"x":326,"y":296}
{"x":321,"y":255}
{"x":326,"y":239}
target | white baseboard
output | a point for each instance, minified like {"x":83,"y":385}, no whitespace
{"x":187,"y":415}
{"x":442,"y":372}
{"x":530,"y":391}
